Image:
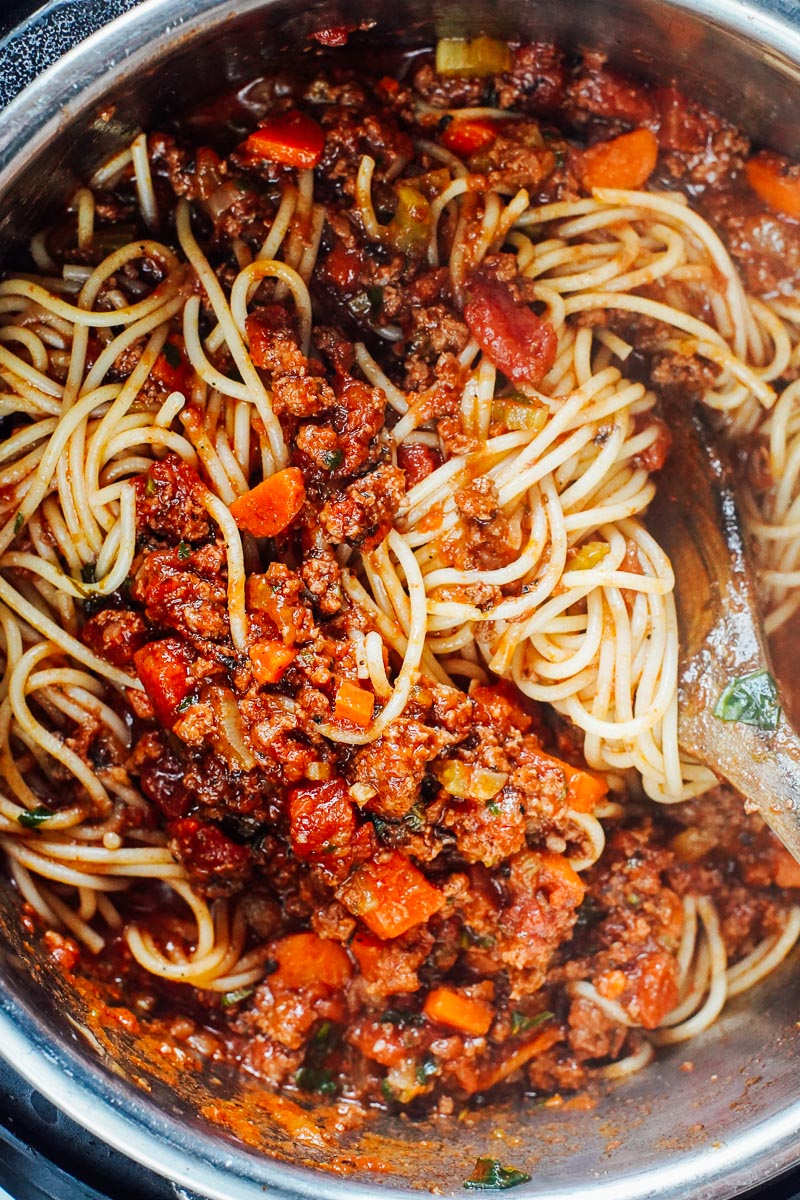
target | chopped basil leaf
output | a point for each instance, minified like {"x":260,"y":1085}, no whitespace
{"x":172,"y":354}
{"x":316,"y":1079}
{"x":331,"y":459}
{"x":415,"y":819}
{"x":468,"y":937}
{"x":18,"y":523}
{"x":187,"y":702}
{"x":521,"y":1023}
{"x":489,"y":1175}
{"x":234,"y":997}
{"x":184,"y":550}
{"x":388,"y":1090}
{"x":36,"y":817}
{"x":752,"y":700}
{"x":375,"y":294}
{"x":323,"y":1034}
{"x":399,"y":1016}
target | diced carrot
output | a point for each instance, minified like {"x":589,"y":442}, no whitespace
{"x":390,"y":894}
{"x":367,"y":950}
{"x":626,"y":161}
{"x":271,"y":505}
{"x":306,"y":960}
{"x":468,"y":136}
{"x":584,"y":790}
{"x":269,"y":660}
{"x":171,"y":368}
{"x":787,"y":869}
{"x":776,"y":180}
{"x":560,"y":880}
{"x":164,"y":671}
{"x":291,"y":138}
{"x":353,"y":704}
{"x":447,"y":1006}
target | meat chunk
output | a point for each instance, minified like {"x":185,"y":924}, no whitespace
{"x":362,"y":515}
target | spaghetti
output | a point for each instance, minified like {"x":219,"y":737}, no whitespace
{"x":260,"y":577}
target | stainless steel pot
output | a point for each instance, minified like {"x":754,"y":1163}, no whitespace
{"x":706,"y":1120}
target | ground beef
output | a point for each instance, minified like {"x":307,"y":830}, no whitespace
{"x":362,"y":514}
{"x":765,"y":244}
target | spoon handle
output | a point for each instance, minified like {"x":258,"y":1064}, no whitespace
{"x":696,"y":520}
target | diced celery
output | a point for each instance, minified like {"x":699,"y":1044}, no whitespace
{"x":473,"y":57}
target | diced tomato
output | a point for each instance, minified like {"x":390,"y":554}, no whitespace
{"x":656,"y":989}
{"x":519,"y":343}
{"x":172,"y":369}
{"x":205,"y":849}
{"x":306,"y":961}
{"x":163,"y":668}
{"x":321,"y":820}
{"x":343,"y":267}
{"x":503,"y":703}
{"x":417,"y":461}
{"x":291,"y":138}
{"x":390,"y":894}
{"x":388,"y":85}
{"x":465,"y":137}
{"x":334,"y":35}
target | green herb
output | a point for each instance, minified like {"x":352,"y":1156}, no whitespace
{"x":36,"y":817}
{"x":494,"y":808}
{"x":18,"y":520}
{"x":752,"y":700}
{"x":489,"y":1175}
{"x":634,"y":899}
{"x":150,"y":488}
{"x":89,"y":573}
{"x":426,"y":1069}
{"x":172,"y":354}
{"x":521,"y":1023}
{"x":234,"y":997}
{"x":560,"y":158}
{"x":375,"y":295}
{"x":187,"y":702}
{"x":383,"y":830}
{"x":316,"y":1079}
{"x":323,"y":1034}
{"x":399,"y":1016}
{"x":388,"y":1090}
{"x":415,"y":819}
{"x":331,"y":459}
{"x":184,"y":550}
{"x":468,"y":937}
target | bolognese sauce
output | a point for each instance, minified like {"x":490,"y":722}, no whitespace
{"x":405,"y":880}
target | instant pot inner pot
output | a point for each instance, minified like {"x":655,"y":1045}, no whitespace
{"x":706,"y":1119}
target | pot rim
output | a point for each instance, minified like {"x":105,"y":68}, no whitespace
{"x":80,"y":1084}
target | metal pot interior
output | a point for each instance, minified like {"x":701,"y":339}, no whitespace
{"x":706,"y":1119}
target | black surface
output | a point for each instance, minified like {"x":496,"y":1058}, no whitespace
{"x":46,"y":1156}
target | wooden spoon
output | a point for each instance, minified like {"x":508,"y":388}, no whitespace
{"x":696,"y":520}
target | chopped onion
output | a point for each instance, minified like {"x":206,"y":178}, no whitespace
{"x":476,"y":783}
{"x":230,"y":740}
